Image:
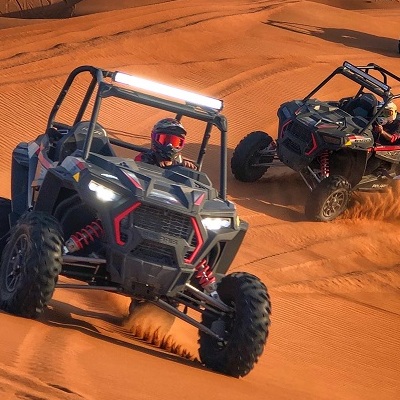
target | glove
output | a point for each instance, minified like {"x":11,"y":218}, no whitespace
{"x":165,"y":163}
{"x":189,"y":164}
{"x":378,"y":129}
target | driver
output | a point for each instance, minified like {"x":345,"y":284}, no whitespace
{"x":388,"y":126}
{"x":167,"y":141}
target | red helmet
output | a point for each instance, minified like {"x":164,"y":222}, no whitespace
{"x":168,"y":138}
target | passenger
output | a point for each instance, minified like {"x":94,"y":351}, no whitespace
{"x":388,"y":126}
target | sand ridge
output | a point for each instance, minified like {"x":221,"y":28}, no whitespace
{"x":334,"y":287}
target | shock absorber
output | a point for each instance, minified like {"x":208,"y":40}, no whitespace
{"x":84,"y":237}
{"x":206,"y":278}
{"x":324,"y":162}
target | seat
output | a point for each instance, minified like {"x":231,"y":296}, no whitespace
{"x":364,"y":106}
{"x":75,"y":139}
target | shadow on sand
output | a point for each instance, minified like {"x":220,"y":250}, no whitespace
{"x":360,"y":40}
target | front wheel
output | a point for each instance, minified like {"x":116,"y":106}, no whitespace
{"x":250,"y":156}
{"x":244,"y":332}
{"x":30,"y":265}
{"x":329,"y":199}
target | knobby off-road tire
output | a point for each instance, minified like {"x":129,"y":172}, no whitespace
{"x":249,"y":152}
{"x":328,"y":200}
{"x":5,"y":210}
{"x":30,"y":265}
{"x":245,"y":332}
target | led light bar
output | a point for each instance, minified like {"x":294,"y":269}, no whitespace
{"x":170,"y":91}
{"x":368,"y":77}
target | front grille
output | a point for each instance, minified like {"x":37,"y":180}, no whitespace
{"x":292,"y":146}
{"x":297,"y":138}
{"x":163,"y":221}
{"x":159,"y":221}
{"x":301,"y":132}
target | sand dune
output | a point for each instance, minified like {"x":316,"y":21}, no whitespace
{"x":335,"y":330}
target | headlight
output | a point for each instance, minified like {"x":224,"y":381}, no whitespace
{"x":214,"y":224}
{"x":103,"y":193}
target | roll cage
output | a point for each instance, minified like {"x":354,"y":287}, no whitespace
{"x":361,"y":75}
{"x":108,"y":84}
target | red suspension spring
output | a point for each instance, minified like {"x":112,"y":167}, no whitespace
{"x":324,"y":162}
{"x":205,"y":275}
{"x":85,"y":236}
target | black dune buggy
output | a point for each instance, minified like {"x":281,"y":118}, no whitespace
{"x":330,"y":143}
{"x":165,"y":236}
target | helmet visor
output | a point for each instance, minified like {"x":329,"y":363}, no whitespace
{"x":165,"y":139}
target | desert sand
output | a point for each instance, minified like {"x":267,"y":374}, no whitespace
{"x":334,"y":287}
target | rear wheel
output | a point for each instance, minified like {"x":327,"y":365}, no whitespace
{"x":244,"y":333}
{"x":30,"y":265}
{"x":254,"y":149}
{"x":329,"y":199}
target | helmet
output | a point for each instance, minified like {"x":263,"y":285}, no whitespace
{"x":168,"y":138}
{"x":389,"y":114}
